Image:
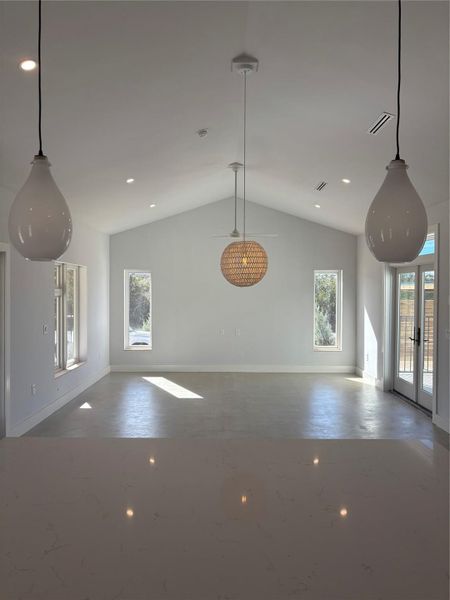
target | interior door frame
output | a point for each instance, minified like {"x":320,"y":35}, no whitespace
{"x":389,"y":324}
{"x":5,"y":327}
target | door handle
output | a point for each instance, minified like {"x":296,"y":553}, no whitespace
{"x":416,"y":339}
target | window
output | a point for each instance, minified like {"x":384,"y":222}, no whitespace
{"x":138,"y":310}
{"x":429,"y":245}
{"x":327,"y":310}
{"x":67,"y":315}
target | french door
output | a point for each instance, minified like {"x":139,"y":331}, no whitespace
{"x":414,"y":333}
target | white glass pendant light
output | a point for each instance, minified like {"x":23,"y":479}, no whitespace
{"x":396,"y":224}
{"x":243,"y":263}
{"x":40,"y":225}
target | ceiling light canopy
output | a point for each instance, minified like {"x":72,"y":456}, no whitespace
{"x":396,"y":224}
{"x":40,"y":225}
{"x":243,"y":263}
{"x":28,"y":65}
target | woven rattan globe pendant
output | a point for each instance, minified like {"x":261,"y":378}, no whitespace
{"x":244,"y":263}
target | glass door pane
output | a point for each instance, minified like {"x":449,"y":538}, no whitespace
{"x":405,"y":380}
{"x":406,"y":326}
{"x":427,"y":319}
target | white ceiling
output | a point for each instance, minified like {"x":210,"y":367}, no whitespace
{"x":127,"y":84}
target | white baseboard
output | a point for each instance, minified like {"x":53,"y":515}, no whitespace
{"x":232,"y":369}
{"x":49,"y":409}
{"x":378,"y":383}
{"x":441,"y":423}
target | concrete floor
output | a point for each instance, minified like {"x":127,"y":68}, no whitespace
{"x":236,"y":405}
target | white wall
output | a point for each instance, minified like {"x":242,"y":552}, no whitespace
{"x":370,"y":315}
{"x":32,"y":305}
{"x":192,"y":301}
{"x":369,"y":320}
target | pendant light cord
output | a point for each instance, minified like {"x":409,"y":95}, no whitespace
{"x":39,"y":78}
{"x":235,"y":199}
{"x":399,"y":76}
{"x":245,"y":144}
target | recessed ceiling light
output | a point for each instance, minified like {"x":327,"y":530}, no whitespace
{"x":152,"y":205}
{"x":28,"y":65}
{"x":130,"y":180}
{"x":345,"y":180}
{"x":317,"y":205}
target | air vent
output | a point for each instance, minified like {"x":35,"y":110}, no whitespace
{"x":380,"y":123}
{"x":320,"y":186}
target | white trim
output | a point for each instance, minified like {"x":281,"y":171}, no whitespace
{"x":233,"y":368}
{"x":370,"y":379}
{"x":49,"y":409}
{"x":441,"y":423}
{"x":7,"y":325}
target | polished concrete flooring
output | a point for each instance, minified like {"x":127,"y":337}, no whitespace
{"x":204,"y":519}
{"x":236,"y":504}
{"x":236,"y":405}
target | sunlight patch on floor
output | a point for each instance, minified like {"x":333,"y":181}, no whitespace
{"x":171,"y":387}
{"x":361,"y":380}
{"x":86,"y":405}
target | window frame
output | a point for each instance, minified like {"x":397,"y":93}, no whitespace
{"x":126,"y":311}
{"x":61,"y":318}
{"x":339,"y":310}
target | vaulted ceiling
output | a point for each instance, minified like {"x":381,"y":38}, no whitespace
{"x":127,"y":85}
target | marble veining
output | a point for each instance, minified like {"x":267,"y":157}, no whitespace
{"x":180,"y":519}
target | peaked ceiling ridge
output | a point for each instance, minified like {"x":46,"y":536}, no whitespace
{"x":230,"y":199}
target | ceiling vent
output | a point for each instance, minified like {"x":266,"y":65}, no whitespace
{"x":380,"y":123}
{"x":319,"y":187}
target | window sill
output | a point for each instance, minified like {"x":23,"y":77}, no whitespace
{"x":138,"y":348}
{"x":74,"y":367}
{"x":325,"y":349}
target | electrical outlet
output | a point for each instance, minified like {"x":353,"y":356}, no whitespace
{"x":33,"y":389}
